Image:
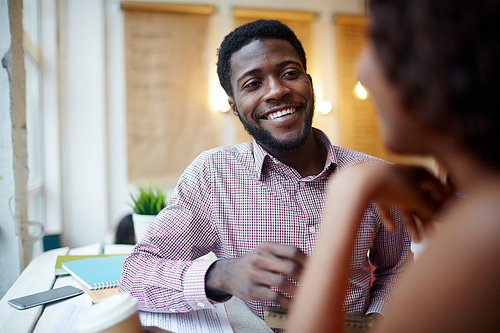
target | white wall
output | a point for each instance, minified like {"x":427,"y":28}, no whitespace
{"x":92,"y":108}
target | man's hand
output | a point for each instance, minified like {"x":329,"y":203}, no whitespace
{"x":251,"y":276}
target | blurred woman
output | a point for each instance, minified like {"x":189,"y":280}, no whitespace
{"x":433,"y":70}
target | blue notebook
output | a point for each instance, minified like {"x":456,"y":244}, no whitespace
{"x":96,"y":273}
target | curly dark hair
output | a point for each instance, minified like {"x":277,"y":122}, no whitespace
{"x":443,"y":57}
{"x":244,"y":35}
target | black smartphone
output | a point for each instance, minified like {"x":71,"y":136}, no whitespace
{"x":44,"y":297}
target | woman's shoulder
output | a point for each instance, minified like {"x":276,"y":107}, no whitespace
{"x":453,"y":286}
{"x":477,"y":218}
{"x":471,"y":225}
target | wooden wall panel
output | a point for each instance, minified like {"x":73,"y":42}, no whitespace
{"x":357,"y":118}
{"x":359,"y":129}
{"x":168,"y":117}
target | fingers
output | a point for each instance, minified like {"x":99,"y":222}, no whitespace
{"x":414,"y":224}
{"x":281,"y":259}
{"x":285,"y":252}
{"x":440,"y":172}
{"x":278,"y":282}
{"x":416,"y":193}
{"x":386,"y":216}
{"x":411,"y":223}
{"x":270,"y":293}
{"x":277,"y":266}
{"x":432,"y":193}
{"x":268,"y":273}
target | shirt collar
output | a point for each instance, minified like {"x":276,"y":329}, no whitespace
{"x":261,"y":155}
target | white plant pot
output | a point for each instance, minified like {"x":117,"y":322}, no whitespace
{"x":141,"y":224}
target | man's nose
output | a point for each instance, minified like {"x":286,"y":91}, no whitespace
{"x":275,"y":89}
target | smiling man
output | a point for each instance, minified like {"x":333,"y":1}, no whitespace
{"x":264,"y":72}
{"x":258,"y":205}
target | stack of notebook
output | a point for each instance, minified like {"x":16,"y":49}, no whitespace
{"x":99,"y":276}
{"x":98,"y":272}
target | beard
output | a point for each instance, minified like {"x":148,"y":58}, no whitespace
{"x":266,"y":138}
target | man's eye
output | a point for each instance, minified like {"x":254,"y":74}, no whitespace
{"x":290,"y":74}
{"x":251,"y":84}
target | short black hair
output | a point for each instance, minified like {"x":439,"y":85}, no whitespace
{"x":443,"y":58}
{"x":244,"y":35}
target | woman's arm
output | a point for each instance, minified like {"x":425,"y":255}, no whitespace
{"x":318,"y":305}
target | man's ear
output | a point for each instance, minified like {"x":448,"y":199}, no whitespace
{"x":310,"y":78}
{"x":232,"y":104}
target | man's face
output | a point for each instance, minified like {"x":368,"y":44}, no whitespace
{"x":273,"y":95}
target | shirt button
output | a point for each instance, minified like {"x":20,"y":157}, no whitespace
{"x":312,"y":230}
{"x":172,"y":310}
{"x":201,"y":305}
{"x":302,"y":184}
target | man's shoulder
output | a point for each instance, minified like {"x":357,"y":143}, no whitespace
{"x":217,"y":166}
{"x":236,"y":151}
{"x":347,"y":157}
{"x":344,"y":157}
{"x":240,"y":154}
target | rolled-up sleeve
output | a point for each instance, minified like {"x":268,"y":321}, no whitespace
{"x":161,"y":272}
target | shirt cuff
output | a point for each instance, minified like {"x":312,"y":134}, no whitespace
{"x":377,"y":306}
{"x":194,"y":284}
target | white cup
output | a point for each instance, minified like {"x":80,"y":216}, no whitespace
{"x":114,"y":314}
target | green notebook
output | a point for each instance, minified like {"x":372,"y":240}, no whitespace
{"x":59,"y":270}
{"x":96,"y":273}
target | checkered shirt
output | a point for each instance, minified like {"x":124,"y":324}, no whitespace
{"x":231,"y":199}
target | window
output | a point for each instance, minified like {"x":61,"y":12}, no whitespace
{"x":34,"y":128}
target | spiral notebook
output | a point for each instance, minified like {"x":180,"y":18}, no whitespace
{"x":96,"y":273}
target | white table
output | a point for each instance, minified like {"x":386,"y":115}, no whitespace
{"x":39,"y":276}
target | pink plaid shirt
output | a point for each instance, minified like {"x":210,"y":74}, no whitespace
{"x":231,"y":199}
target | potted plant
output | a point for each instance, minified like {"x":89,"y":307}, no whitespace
{"x":147,"y":203}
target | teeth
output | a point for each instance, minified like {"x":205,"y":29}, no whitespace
{"x":282,"y":113}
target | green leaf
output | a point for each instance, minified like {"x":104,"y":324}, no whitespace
{"x":148,"y":201}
